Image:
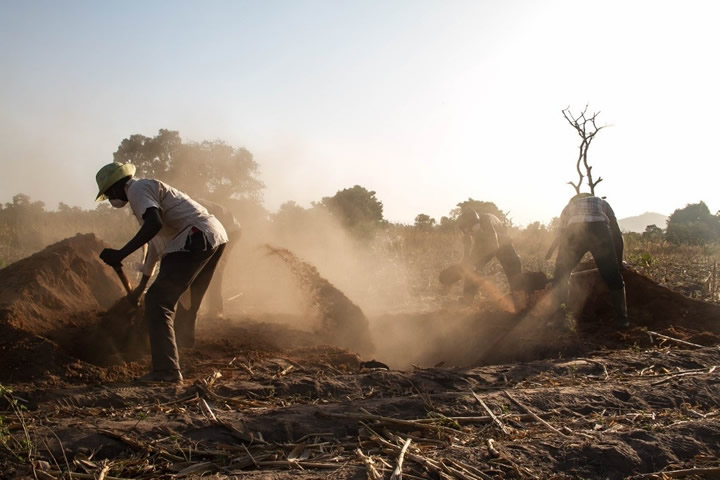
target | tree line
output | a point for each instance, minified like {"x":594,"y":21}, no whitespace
{"x":690,"y":225}
{"x":230,"y":176}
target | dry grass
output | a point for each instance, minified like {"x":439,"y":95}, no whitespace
{"x":691,"y":270}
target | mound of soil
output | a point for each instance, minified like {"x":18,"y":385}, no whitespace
{"x":63,"y":313}
{"x":42,"y":294}
{"x":490,"y":333}
{"x":54,"y":312}
{"x":649,"y":304}
{"x":342,"y":323}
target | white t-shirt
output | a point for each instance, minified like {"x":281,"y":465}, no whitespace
{"x":179,"y":214}
{"x":153,"y":252}
{"x":154,"y":248}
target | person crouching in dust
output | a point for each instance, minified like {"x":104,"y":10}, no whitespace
{"x":588,"y":223}
{"x":485,"y":237}
{"x":194,"y":239}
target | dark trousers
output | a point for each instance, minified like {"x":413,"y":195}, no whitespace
{"x":179,"y":271}
{"x":509,"y":261}
{"x":214,"y":293}
{"x":580,"y":238}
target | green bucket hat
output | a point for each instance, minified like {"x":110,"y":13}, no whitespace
{"x":111,"y":173}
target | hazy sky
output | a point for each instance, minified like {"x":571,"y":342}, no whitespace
{"x":425,"y":102}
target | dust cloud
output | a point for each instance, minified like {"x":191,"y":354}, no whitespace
{"x":316,"y":285}
{"x":298,"y":273}
{"x":378,"y":295}
{"x":361,"y":269}
{"x":405,"y":329}
{"x":329,"y":280}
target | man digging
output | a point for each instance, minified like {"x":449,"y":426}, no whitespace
{"x":189,"y":303}
{"x":485,"y":237}
{"x":588,"y":223}
{"x":195,"y":241}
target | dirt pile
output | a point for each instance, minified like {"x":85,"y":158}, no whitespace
{"x":41,"y":293}
{"x":52,"y":306}
{"x":342,"y":323}
{"x":649,"y":304}
{"x":63,"y":313}
{"x":490,"y":333}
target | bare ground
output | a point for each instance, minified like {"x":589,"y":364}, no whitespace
{"x":494,"y":395}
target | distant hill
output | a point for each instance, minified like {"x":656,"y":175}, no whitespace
{"x":639,"y":222}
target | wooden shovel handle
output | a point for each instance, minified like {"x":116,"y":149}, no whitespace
{"x":123,"y":278}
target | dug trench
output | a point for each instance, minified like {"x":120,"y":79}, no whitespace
{"x":266,"y":399}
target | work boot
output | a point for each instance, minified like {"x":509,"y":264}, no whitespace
{"x":161,"y":376}
{"x":617,"y":297}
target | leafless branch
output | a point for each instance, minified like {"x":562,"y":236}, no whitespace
{"x":587,"y":128}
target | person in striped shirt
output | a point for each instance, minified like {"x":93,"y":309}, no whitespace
{"x":588,"y":223}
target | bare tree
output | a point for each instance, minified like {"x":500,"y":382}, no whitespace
{"x":586,"y":127}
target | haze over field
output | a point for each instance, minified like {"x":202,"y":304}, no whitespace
{"x":425,"y":102}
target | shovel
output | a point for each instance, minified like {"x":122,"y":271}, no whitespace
{"x":123,"y":278}
{"x":134,"y":302}
{"x":120,"y":335}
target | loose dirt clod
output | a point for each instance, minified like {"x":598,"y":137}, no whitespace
{"x":451,"y":274}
